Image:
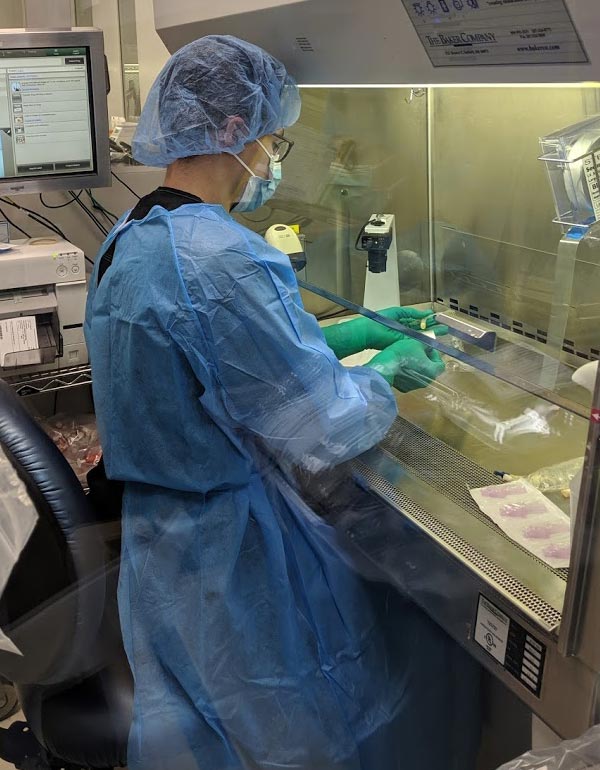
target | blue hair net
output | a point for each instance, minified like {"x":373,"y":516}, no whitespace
{"x":214,"y":95}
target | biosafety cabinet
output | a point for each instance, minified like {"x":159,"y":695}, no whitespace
{"x":493,"y":196}
{"x":460,"y":141}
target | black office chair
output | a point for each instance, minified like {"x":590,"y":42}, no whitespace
{"x":9,"y":703}
{"x":59,"y":609}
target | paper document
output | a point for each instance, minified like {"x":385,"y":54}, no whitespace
{"x":17,"y":335}
{"x":528,"y":518}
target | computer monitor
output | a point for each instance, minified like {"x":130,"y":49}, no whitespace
{"x":53,"y":111}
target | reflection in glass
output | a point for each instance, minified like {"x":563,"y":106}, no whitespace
{"x":357,"y":152}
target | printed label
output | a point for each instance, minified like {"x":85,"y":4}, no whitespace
{"x":486,"y":32}
{"x":491,"y":631}
{"x":17,"y":335}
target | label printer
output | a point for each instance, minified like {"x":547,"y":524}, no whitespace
{"x":42,"y":306}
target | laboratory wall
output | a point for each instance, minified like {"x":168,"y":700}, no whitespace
{"x":134,"y":51}
{"x":104,"y":14}
{"x":40,"y":14}
{"x":36,"y":14}
{"x":13,"y":14}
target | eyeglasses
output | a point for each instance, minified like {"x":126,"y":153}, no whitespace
{"x":281,"y":148}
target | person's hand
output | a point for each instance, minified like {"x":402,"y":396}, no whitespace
{"x":351,"y":337}
{"x":409,"y":316}
{"x":408,"y":365}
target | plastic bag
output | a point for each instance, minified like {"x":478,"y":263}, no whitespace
{"x":578,"y":754}
{"x":556,"y":478}
{"x":18,"y":517}
{"x":77,"y":438}
{"x":504,"y":416}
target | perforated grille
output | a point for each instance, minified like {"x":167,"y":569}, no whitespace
{"x":446,"y":470}
{"x":439,"y":466}
{"x":530,"y":603}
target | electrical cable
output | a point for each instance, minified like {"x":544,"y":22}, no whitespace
{"x":337,"y":313}
{"x":61,"y":205}
{"x":362,"y":230}
{"x":132,"y":191}
{"x":12,"y":224}
{"x":90,"y":214}
{"x":107,"y":216}
{"x":41,"y":220}
{"x":97,"y":206}
{"x":33,"y":215}
{"x":257,"y":221}
{"x":36,"y":217}
{"x":53,"y":228}
{"x":94,"y":219}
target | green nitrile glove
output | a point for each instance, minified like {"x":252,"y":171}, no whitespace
{"x":351,"y":337}
{"x":408,"y":365}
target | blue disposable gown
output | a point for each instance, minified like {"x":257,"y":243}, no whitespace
{"x":252,"y":642}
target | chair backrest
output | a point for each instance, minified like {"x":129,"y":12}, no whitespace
{"x":53,"y":604}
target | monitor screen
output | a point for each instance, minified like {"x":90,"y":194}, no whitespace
{"x":46,"y":112}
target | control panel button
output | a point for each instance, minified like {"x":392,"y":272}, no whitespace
{"x":62,"y":271}
{"x":75,"y":269}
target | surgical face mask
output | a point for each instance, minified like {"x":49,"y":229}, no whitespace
{"x":258,"y":190}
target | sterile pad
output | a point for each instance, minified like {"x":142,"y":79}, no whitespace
{"x":528,"y":518}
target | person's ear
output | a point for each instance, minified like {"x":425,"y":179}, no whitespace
{"x":234,"y":132}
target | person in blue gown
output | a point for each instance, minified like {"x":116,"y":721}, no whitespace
{"x":253,"y":642}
